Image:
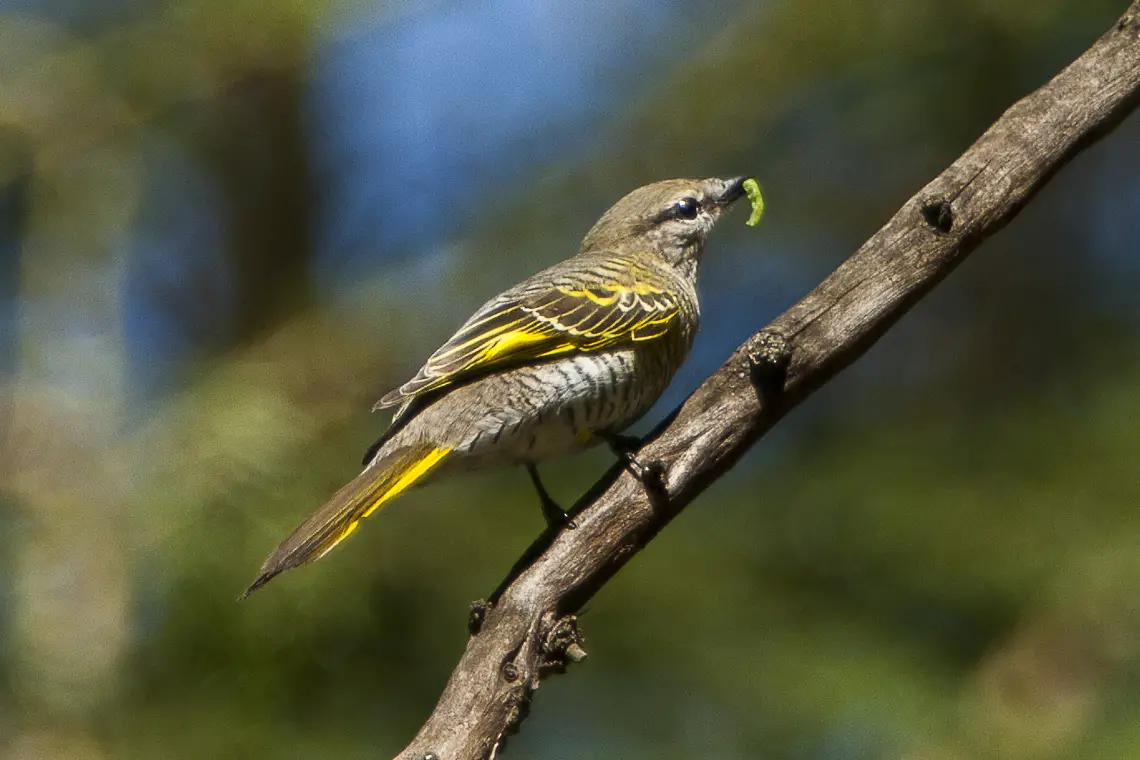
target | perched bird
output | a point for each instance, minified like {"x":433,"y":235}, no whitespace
{"x":564,"y":360}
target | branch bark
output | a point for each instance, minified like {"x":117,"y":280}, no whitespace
{"x":528,"y":628}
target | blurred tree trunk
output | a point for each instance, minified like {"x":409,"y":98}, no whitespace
{"x":15,"y":168}
{"x":70,"y":584}
{"x":255,"y":145}
{"x":71,"y":188}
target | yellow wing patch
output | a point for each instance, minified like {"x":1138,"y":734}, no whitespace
{"x":549,"y":322}
{"x":508,"y":343}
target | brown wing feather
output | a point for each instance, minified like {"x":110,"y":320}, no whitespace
{"x":575,"y":306}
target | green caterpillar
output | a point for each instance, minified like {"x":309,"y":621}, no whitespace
{"x":752,"y":190}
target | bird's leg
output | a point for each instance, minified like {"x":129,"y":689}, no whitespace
{"x":621,"y":445}
{"x":554,"y":514}
{"x":651,"y":474}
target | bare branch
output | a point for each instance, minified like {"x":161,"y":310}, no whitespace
{"x":529,"y":629}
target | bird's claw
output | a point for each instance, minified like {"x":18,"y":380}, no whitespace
{"x":556,"y":516}
{"x":651,"y":474}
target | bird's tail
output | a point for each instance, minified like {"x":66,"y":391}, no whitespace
{"x":379,"y":483}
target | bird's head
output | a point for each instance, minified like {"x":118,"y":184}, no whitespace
{"x":671,"y":219}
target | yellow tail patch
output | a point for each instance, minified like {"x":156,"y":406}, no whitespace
{"x":339,"y":517}
{"x":404,"y":480}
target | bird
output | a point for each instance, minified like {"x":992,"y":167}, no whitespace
{"x":565,"y":360}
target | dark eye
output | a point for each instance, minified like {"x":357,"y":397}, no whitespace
{"x":687,"y":208}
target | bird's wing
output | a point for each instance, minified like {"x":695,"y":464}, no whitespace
{"x":582,"y":309}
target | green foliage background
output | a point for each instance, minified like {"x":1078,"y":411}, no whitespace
{"x":935,"y":558}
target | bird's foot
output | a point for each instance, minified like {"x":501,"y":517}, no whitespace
{"x":651,"y":473}
{"x":554,"y":515}
{"x":621,"y":444}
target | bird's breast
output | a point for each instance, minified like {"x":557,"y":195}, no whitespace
{"x":548,"y":409}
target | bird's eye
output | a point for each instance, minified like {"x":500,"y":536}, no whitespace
{"x":687,"y":208}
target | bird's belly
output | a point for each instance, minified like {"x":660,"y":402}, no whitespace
{"x":549,"y":410}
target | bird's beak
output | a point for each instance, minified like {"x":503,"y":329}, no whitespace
{"x":731,"y":190}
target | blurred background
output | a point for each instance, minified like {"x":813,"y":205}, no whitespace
{"x":227,"y":226}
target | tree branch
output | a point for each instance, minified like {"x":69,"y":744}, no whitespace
{"x":529,"y":628}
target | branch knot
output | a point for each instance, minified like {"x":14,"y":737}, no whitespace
{"x":938,"y":214}
{"x":769,"y":356}
{"x":476,"y":615}
{"x":561,"y":646}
